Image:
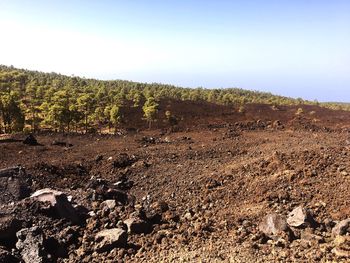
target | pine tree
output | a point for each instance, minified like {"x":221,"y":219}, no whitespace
{"x":150,"y":109}
{"x":115,"y":116}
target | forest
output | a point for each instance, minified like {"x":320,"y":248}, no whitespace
{"x":32,"y":100}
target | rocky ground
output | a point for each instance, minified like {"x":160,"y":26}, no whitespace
{"x":250,"y":191}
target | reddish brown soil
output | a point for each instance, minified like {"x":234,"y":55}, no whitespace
{"x":227,"y":175}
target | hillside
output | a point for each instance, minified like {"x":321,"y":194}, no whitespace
{"x":36,"y":100}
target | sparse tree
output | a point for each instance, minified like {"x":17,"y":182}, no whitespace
{"x":115,"y":117}
{"x":150,"y":109}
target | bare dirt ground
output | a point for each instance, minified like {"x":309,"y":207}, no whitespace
{"x":197,"y":195}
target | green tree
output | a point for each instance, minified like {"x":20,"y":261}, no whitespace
{"x":150,"y":109}
{"x":32,"y":102}
{"x":59,"y":114}
{"x":115,"y":117}
{"x":85,"y":105}
{"x":11,"y":113}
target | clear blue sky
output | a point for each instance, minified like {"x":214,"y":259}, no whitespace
{"x":298,"y":48}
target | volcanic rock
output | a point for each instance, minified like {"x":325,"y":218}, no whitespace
{"x":341,"y":228}
{"x":31,"y":245}
{"x":13,"y":185}
{"x":110,"y":238}
{"x":5,"y":256}
{"x":9,"y":225}
{"x":342,"y":246}
{"x":30,"y":140}
{"x":59,"y":202}
{"x":110,"y":203}
{"x":298,"y":217}
{"x":273,"y":225}
{"x":137,"y":226}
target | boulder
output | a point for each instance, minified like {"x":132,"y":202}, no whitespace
{"x":273,"y":225}
{"x":299,"y":217}
{"x":138,"y":226}
{"x":31,"y":245}
{"x":108,"y":239}
{"x":58,"y":202}
{"x":341,"y":228}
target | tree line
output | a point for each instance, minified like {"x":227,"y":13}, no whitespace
{"x":35,"y":100}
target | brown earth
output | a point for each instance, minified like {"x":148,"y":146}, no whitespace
{"x":201,"y":192}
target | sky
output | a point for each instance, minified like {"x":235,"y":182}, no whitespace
{"x":298,"y":48}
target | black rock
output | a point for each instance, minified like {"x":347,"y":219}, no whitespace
{"x":30,"y":140}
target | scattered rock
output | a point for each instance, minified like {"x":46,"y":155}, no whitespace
{"x":98,"y":158}
{"x":342,"y":246}
{"x":148,"y":140}
{"x":298,"y":217}
{"x":124,"y":160}
{"x":273,"y":225}
{"x":307,"y":235}
{"x":137,"y":226}
{"x":111,"y":204}
{"x":341,"y":228}
{"x":110,"y":238}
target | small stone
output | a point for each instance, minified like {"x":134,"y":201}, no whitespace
{"x":298,"y":217}
{"x":340,"y":240}
{"x":137,"y":226}
{"x":342,"y":246}
{"x":110,"y":238}
{"x":341,"y":228}
{"x":273,"y":224}
{"x":344,"y":173}
{"x":342,"y":253}
{"x":308,"y":236}
{"x":110,"y":203}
